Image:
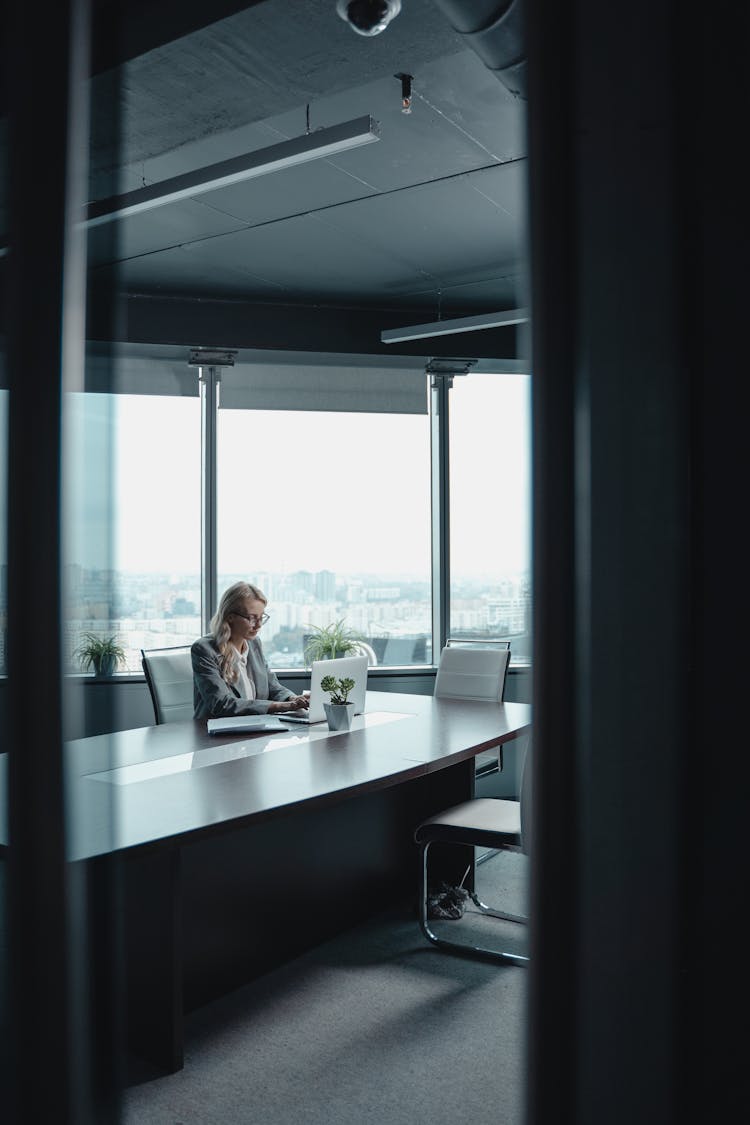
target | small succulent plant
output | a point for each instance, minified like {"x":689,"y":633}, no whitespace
{"x":337,"y":689}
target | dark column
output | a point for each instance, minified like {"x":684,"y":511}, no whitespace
{"x":51,"y":1072}
{"x":637,"y":243}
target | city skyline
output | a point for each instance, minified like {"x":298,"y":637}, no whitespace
{"x":148,"y":610}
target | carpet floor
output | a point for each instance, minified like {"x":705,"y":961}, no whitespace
{"x":374,"y":1027}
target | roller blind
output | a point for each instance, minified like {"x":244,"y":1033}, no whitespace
{"x":137,"y":375}
{"x":355,"y":389}
{"x":262,"y":381}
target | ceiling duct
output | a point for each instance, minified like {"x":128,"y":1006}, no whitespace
{"x":494,"y":29}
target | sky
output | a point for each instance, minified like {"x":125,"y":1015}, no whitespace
{"x":298,"y":490}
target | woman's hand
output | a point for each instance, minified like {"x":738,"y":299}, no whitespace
{"x":293,"y":704}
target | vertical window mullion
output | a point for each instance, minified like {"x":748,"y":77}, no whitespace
{"x":209,"y":378}
{"x":440,"y":497}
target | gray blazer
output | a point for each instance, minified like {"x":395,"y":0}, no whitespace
{"x":213,"y":697}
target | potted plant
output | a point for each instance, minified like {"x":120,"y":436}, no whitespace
{"x":103,"y":654}
{"x":339,"y":710}
{"x":326,"y":642}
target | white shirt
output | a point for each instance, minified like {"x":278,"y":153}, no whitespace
{"x":244,"y":684}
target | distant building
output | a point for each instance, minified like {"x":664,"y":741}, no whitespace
{"x":507,"y":615}
{"x":303,"y":581}
{"x":325,"y":586}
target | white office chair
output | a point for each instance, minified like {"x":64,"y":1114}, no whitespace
{"x":484,"y":822}
{"x":472,"y":673}
{"x":363,"y":649}
{"x":169,"y":675}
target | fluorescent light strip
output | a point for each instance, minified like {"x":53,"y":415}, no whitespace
{"x":311,"y":146}
{"x":447,"y":327}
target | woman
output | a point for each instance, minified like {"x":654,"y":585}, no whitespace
{"x":230,"y":673}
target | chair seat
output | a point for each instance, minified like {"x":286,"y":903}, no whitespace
{"x":484,"y":822}
{"x":487,"y":821}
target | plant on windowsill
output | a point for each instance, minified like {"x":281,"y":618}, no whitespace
{"x":326,"y":642}
{"x":102,"y":654}
{"x":339,"y":710}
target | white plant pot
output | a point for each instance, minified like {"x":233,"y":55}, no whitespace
{"x":339,"y":715}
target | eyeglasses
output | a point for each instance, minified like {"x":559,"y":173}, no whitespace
{"x":252,"y":618}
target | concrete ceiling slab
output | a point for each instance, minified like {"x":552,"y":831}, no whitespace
{"x":433,"y":214}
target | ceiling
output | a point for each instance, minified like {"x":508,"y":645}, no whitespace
{"x":428,"y":221}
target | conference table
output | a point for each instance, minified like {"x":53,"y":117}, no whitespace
{"x":234,"y":854}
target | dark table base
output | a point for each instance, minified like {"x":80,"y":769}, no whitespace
{"x":205,"y":916}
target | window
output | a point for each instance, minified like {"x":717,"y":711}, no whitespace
{"x":132,"y":526}
{"x":490,"y":510}
{"x":329,"y":513}
{"x":323,"y":499}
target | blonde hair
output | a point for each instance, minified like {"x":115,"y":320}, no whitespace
{"x":231,"y":602}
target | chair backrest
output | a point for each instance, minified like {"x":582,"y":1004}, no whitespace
{"x":363,"y":649}
{"x":169,"y":675}
{"x":472,"y":673}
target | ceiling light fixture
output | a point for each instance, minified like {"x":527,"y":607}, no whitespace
{"x":461,"y":324}
{"x":406,"y":81}
{"x":312,"y":146}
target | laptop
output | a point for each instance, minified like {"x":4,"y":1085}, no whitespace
{"x":355,"y":667}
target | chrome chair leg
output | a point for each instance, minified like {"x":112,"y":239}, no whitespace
{"x":492,"y":913}
{"x":466,"y":949}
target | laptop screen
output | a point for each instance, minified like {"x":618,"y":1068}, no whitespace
{"x":354,"y":667}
